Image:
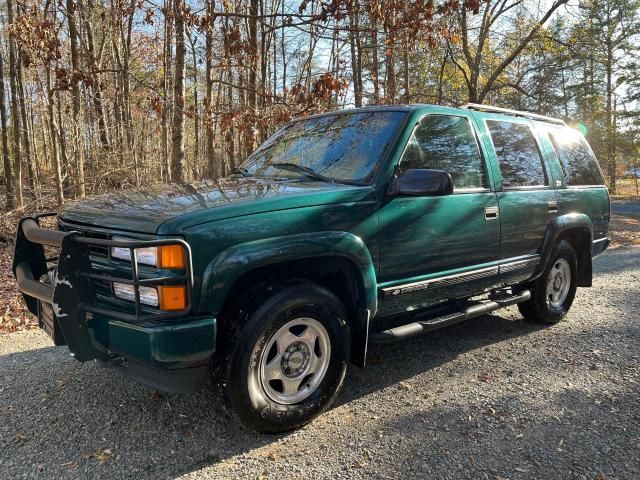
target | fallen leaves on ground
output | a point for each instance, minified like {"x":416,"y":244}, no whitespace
{"x":20,"y":439}
{"x":271,"y":455}
{"x":624,"y":231}
{"x":14,"y":315}
{"x":103,"y":455}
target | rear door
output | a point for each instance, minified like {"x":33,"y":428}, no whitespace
{"x":580,"y":183}
{"x":524,"y":189}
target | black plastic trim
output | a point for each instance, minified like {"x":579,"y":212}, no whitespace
{"x":184,"y":380}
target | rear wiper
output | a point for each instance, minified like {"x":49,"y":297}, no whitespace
{"x":242,"y":171}
{"x":292,"y":167}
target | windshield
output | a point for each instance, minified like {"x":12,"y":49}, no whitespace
{"x":344,"y":147}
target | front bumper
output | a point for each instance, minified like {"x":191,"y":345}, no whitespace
{"x":173,"y":348}
{"x":173,"y":358}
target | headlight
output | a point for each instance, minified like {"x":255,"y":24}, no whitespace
{"x":167,"y":297}
{"x":166,"y":256}
{"x":148,"y":295}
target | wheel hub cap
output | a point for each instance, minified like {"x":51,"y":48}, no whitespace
{"x":295,"y":361}
{"x":559,"y":283}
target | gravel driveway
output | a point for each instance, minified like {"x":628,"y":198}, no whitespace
{"x":494,"y":397}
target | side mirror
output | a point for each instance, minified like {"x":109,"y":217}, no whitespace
{"x":421,"y":182}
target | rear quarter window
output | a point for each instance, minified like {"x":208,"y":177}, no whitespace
{"x":579,"y":164}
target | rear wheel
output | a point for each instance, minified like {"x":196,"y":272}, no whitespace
{"x":287,"y":358}
{"x":553,"y":292}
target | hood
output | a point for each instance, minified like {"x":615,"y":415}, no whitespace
{"x":178,"y":206}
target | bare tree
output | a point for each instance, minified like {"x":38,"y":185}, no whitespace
{"x":6,"y":160}
{"x":478,"y":80}
{"x":177,"y":128}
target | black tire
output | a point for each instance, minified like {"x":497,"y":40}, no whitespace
{"x":252,"y":323}
{"x":540,"y":308}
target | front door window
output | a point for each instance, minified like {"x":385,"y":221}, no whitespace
{"x":446,"y":142}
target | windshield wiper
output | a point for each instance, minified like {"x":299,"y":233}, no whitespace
{"x":242,"y":171}
{"x":292,"y":167}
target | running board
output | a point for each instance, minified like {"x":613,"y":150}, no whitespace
{"x":479,"y":308}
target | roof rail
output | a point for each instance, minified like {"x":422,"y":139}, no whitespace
{"x":515,"y":113}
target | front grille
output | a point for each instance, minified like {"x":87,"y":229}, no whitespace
{"x":99,"y":251}
{"x":98,"y":254}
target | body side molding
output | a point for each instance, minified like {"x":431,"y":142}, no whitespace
{"x":503,"y":266}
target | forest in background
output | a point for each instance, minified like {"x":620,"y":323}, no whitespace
{"x":100,"y":95}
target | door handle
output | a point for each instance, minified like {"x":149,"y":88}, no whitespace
{"x":552,"y":206}
{"x":491,"y":213}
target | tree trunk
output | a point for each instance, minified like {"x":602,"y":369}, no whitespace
{"x":26,"y":140}
{"x":611,"y":148}
{"x":196,"y":104}
{"x":66,"y":178}
{"x":213,"y":171}
{"x":252,"y":87}
{"x":177,"y":129}
{"x":375,"y":61}
{"x":390,"y":92}
{"x":93,"y":67}
{"x":126,"y":93}
{"x":76,"y":100}
{"x":167,"y":80}
{"x":355,"y":67}
{"x":54,"y":143}
{"x":6,"y":160}
{"x":15,"y":118}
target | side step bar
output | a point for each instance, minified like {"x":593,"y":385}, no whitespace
{"x":480,"y":308}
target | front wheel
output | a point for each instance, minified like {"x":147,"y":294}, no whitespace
{"x":552,"y":294}
{"x":288,"y":356}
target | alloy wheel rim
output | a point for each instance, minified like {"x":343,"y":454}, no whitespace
{"x":295,"y":360}
{"x":558,"y":283}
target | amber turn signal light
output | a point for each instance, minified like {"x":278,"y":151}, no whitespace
{"x":172,"y":297}
{"x":171,"y":256}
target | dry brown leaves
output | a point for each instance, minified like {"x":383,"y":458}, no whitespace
{"x":624,"y":231}
{"x":14,"y":315}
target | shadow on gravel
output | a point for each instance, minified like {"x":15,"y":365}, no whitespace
{"x":59,"y":414}
{"x":568,"y":434}
{"x":389,"y":364}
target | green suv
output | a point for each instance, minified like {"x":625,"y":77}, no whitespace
{"x":342,"y":229}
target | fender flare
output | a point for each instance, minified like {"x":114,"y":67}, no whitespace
{"x":555,"y":229}
{"x":232,"y":263}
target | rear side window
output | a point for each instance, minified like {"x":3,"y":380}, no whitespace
{"x":579,"y":164}
{"x":518,"y":154}
{"x":446,"y":142}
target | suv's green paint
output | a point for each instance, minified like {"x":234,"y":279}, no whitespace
{"x":406,"y":253}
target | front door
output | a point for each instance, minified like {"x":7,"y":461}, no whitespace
{"x":433,"y":248}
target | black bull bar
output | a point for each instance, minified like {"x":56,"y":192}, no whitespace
{"x":71,"y":295}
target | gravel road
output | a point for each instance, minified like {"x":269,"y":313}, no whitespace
{"x":493,"y":398}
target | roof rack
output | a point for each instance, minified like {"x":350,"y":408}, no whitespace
{"x":515,"y":113}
